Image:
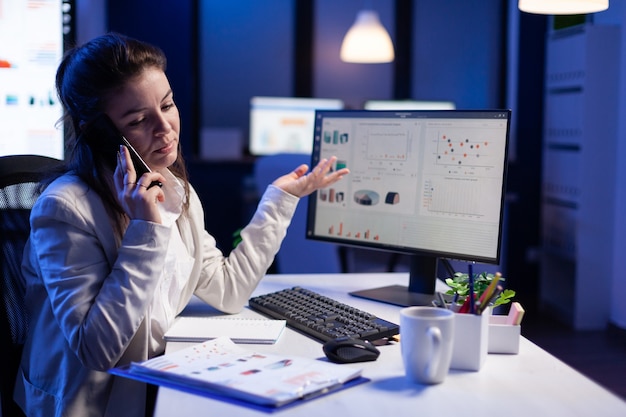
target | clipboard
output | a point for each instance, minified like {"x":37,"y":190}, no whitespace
{"x":221,"y":370}
{"x":268,"y":408}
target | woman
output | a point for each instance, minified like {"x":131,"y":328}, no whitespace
{"x":111,"y":260}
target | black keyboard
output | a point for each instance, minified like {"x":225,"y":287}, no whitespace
{"x":320,"y":317}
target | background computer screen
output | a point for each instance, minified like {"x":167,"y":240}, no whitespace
{"x":408,"y":105}
{"x":32,"y":35}
{"x":285,"y":124}
{"x":427,"y":183}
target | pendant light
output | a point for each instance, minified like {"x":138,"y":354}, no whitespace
{"x":563,"y":6}
{"x":367,"y":41}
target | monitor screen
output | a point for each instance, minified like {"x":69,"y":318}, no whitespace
{"x":32,"y":35}
{"x":285,"y":124}
{"x":429,"y":183}
{"x":408,"y":105}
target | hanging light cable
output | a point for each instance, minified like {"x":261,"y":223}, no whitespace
{"x":367,"y":41}
{"x":559,"y":7}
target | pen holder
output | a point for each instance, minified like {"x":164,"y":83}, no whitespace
{"x":503,"y":337}
{"x":471,"y":338}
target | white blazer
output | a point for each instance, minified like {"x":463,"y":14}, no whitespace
{"x":88,"y":293}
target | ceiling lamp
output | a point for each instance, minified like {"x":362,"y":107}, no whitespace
{"x":563,"y":6}
{"x":367,"y":41}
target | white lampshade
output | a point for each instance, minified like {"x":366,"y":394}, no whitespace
{"x":367,"y":41}
{"x":563,"y":6}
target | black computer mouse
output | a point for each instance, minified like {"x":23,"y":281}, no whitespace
{"x":349,"y":350}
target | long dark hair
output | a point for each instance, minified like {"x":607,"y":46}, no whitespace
{"x":87,"y":75}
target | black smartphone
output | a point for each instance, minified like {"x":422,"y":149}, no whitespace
{"x":102,"y":135}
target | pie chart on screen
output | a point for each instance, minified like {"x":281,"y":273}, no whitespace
{"x":366,"y":197}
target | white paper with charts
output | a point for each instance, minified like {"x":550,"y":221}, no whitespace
{"x":222,"y":367}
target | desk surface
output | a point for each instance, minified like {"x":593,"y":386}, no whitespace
{"x":530,"y":383}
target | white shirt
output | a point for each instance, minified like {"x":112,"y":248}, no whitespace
{"x":176,"y":271}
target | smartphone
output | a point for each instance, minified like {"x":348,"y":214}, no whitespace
{"x":102,"y":135}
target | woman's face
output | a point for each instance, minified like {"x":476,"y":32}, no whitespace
{"x":143,"y":110}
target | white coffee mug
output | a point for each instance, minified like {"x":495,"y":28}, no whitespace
{"x":426,"y":342}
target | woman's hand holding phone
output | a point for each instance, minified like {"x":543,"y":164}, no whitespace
{"x":138,"y":199}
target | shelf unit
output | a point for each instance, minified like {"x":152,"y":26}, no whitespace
{"x":579,"y":169}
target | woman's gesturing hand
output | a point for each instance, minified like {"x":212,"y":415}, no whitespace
{"x":301,"y":184}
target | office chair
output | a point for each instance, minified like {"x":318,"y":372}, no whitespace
{"x":19,"y":176}
{"x":297,"y":254}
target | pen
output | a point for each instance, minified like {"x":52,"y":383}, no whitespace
{"x":470,"y":275}
{"x":496,"y":293}
{"x":486,"y":297}
{"x":464,"y":309}
{"x":442,"y":301}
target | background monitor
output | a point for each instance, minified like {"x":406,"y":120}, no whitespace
{"x":427,"y":183}
{"x":408,"y":105}
{"x":285,"y":124}
{"x":32,"y":35}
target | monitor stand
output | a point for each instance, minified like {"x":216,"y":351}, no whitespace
{"x":421,"y":289}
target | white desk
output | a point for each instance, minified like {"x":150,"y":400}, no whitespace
{"x":532,"y":383}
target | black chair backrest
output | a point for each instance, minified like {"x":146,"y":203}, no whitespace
{"x":19,"y":179}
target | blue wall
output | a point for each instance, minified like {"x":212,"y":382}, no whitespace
{"x":174,"y":29}
{"x":246,"y":49}
{"x":459,"y":52}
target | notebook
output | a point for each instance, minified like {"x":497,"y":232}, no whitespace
{"x":238,"y":329}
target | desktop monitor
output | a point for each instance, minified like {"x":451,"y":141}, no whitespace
{"x":429,"y":183}
{"x":285,"y":124}
{"x":408,"y":105}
